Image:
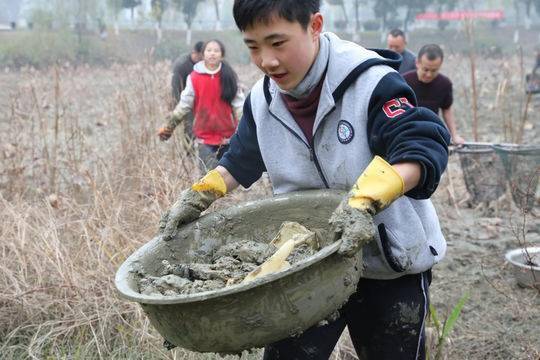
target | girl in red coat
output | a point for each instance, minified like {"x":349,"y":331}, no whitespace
{"x":212,"y":93}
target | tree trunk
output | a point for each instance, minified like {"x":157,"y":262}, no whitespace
{"x":356,"y":14}
{"x":472,"y":58}
{"x":528,"y":14}
{"x":159,"y":32}
{"x":345,"y":15}
{"x":356,"y":36}
{"x":188,"y":35}
{"x":406,"y":20}
{"x":133,"y":25}
{"x":518,"y":18}
{"x":79,"y":27}
{"x":217,"y":6}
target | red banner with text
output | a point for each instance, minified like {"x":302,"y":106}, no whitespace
{"x":461,"y":15}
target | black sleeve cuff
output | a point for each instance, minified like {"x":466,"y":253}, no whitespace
{"x":243,"y":159}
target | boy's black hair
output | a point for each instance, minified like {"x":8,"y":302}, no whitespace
{"x":248,"y":12}
{"x":432,"y":52}
{"x":229,"y":79}
{"x":397,"y":33}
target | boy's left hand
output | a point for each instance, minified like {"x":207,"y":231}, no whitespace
{"x":352,"y":222}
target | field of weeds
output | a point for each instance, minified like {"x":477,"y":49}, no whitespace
{"x":84,"y":180}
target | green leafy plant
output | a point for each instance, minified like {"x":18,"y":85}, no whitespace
{"x":445,"y":328}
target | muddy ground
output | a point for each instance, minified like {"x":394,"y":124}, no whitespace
{"x":499,"y":321}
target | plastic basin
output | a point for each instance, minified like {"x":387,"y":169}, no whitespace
{"x":245,"y":316}
{"x":527,"y":275}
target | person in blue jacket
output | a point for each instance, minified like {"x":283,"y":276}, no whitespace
{"x":331,"y":114}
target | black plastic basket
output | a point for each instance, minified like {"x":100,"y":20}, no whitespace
{"x":532,"y":84}
{"x":482,"y":171}
{"x":522,"y":168}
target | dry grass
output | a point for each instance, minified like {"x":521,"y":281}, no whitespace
{"x":502,"y":109}
{"x":83,"y":181}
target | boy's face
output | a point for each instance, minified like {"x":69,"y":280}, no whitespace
{"x":284,"y":50}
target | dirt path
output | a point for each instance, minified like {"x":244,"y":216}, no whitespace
{"x":500,"y":320}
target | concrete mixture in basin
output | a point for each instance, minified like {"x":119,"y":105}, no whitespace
{"x":232,"y":263}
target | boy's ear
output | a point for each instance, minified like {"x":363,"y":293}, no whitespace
{"x":316,"y":24}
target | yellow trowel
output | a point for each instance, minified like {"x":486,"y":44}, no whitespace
{"x":290,"y":235}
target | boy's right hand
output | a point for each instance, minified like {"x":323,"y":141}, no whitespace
{"x":187,"y":208}
{"x":191,"y":203}
{"x":165,"y":133}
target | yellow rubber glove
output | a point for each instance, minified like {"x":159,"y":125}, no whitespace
{"x":375,"y":189}
{"x":212,"y":181}
{"x":191,"y":203}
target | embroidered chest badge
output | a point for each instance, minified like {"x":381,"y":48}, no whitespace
{"x":345,"y":132}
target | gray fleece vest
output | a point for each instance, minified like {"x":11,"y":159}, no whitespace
{"x":409,"y":238}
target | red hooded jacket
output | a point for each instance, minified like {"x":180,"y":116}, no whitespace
{"x":214,"y":118}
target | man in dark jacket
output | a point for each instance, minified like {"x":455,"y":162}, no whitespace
{"x":397,"y":42}
{"x":182,"y":67}
{"x":434,"y":90}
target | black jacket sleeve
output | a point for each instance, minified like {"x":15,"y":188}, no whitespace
{"x":400,"y":132}
{"x":181,"y":69}
{"x":243,"y":158}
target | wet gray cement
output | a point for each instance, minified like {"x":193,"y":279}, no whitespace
{"x":228,"y":265}
{"x":353,"y":226}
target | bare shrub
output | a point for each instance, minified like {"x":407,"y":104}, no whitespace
{"x":83,"y":181}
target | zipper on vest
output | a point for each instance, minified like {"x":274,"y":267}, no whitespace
{"x":317,"y":165}
{"x":312,"y":154}
{"x":316,"y":161}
